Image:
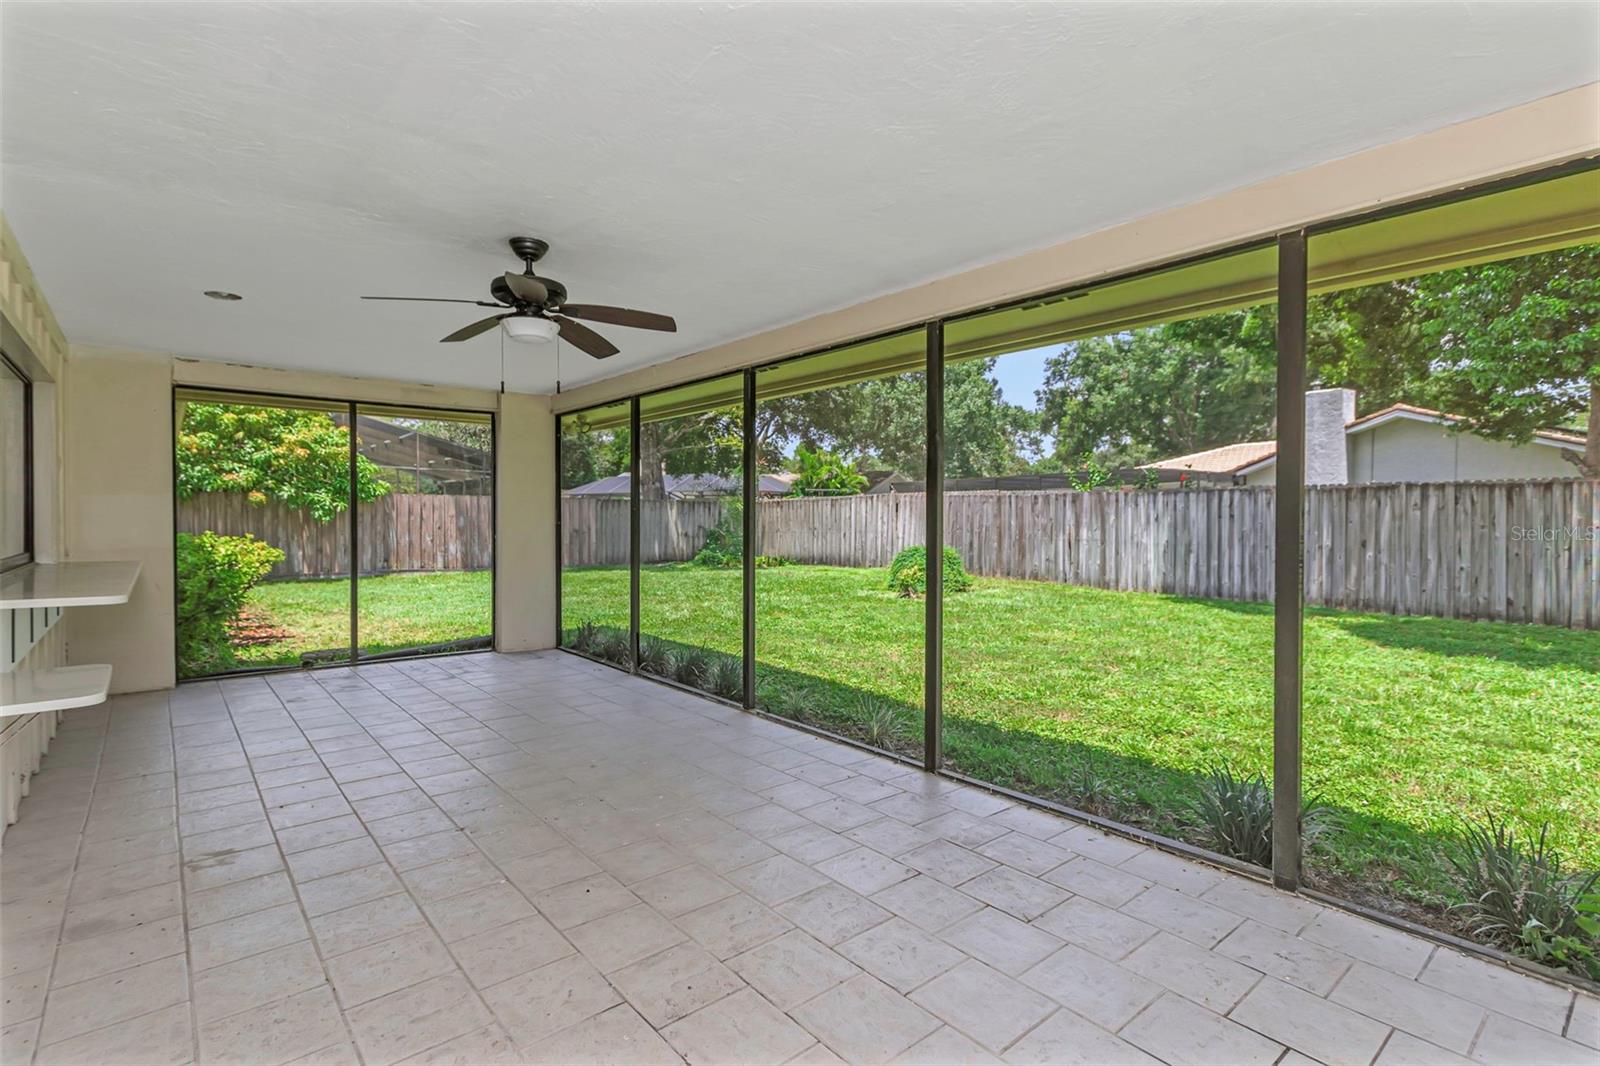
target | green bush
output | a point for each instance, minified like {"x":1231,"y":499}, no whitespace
{"x":724,"y":545}
{"x":214,"y":575}
{"x":908,"y":573}
{"x":692,"y":667}
{"x":825,"y":473}
{"x":1234,"y":811}
{"x":727,"y":677}
{"x":614,"y":646}
{"x":1520,"y":897}
{"x":655,"y":656}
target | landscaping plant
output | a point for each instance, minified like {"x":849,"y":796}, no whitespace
{"x":727,"y":677}
{"x":908,"y":573}
{"x":585,"y":638}
{"x":692,"y":667}
{"x":879,"y":720}
{"x":1520,"y":897}
{"x":615,"y":647}
{"x":655,"y":656}
{"x":820,"y":472}
{"x":214,"y":574}
{"x":1234,"y":812}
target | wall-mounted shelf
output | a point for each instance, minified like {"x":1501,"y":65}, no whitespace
{"x":53,"y":689}
{"x":67,"y":585}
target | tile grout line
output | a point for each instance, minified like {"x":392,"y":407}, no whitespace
{"x":66,"y":888}
{"x":293,"y":884}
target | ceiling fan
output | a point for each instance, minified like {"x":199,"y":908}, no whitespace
{"x":536,"y":309}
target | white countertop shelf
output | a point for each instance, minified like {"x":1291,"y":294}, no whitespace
{"x":59,"y":688}
{"x":67,"y":584}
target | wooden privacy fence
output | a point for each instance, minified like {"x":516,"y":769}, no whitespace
{"x":399,"y":532}
{"x":1526,"y":551}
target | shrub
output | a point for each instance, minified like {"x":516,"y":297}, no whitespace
{"x":692,"y":667}
{"x":1519,"y":896}
{"x":655,"y":656}
{"x":825,"y":473}
{"x":214,"y":575}
{"x":724,"y":545}
{"x":908,"y":573}
{"x":1235,"y":815}
{"x":582,"y":638}
{"x":767,"y":562}
{"x":614,"y":646}
{"x":727,"y":677}
{"x":879,"y":721}
{"x":1090,"y":786}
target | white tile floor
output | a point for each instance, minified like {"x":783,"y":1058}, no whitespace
{"x":538,"y":859}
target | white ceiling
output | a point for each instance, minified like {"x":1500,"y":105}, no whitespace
{"x":739,"y":166}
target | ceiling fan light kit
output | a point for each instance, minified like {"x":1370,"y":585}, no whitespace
{"x":529,"y":330}
{"x":536,"y":309}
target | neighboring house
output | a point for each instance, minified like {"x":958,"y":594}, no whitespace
{"x":1400,"y":443}
{"x":688,"y":486}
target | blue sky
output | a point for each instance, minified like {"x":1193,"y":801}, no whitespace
{"x":1021,"y":373}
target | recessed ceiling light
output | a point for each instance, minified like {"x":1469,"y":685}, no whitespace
{"x":218,"y":294}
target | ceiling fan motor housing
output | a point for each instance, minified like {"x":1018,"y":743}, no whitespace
{"x":500,"y":291}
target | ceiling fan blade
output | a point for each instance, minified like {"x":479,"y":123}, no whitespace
{"x":528,"y":289}
{"x":468,"y":332}
{"x":433,"y":300}
{"x":621,"y":316}
{"x":584,"y":339}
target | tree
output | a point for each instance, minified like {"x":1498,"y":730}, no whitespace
{"x":886,"y":419}
{"x":297,"y":456}
{"x":590,"y":454}
{"x":1517,"y":346}
{"x":1162,"y":391}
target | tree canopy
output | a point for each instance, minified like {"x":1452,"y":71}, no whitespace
{"x":297,"y":456}
{"x":1509,"y":347}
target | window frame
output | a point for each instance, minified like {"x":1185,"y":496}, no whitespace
{"x":24,"y":557}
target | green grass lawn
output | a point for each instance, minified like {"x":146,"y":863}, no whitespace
{"x":1121,"y":699}
{"x":396,"y":611}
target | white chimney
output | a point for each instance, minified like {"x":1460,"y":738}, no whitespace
{"x":1328,"y":411}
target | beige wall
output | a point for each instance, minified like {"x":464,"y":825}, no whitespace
{"x":116,"y":445}
{"x":525,"y":495}
{"x":1553,"y":130}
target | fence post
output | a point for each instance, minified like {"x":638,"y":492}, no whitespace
{"x":1289,"y":585}
{"x":933,"y":512}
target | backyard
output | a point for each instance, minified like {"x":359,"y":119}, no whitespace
{"x":285,"y":620}
{"x":1410,"y":722}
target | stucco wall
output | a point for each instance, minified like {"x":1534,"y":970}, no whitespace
{"x":117,"y":451}
{"x":525,"y":487}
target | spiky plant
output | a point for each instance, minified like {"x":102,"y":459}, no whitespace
{"x":692,"y":667}
{"x":615,"y":646}
{"x":1234,"y":812}
{"x":584,"y":637}
{"x":880,"y":721}
{"x":1519,"y":896}
{"x":727,"y":677}
{"x":655,"y":656}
